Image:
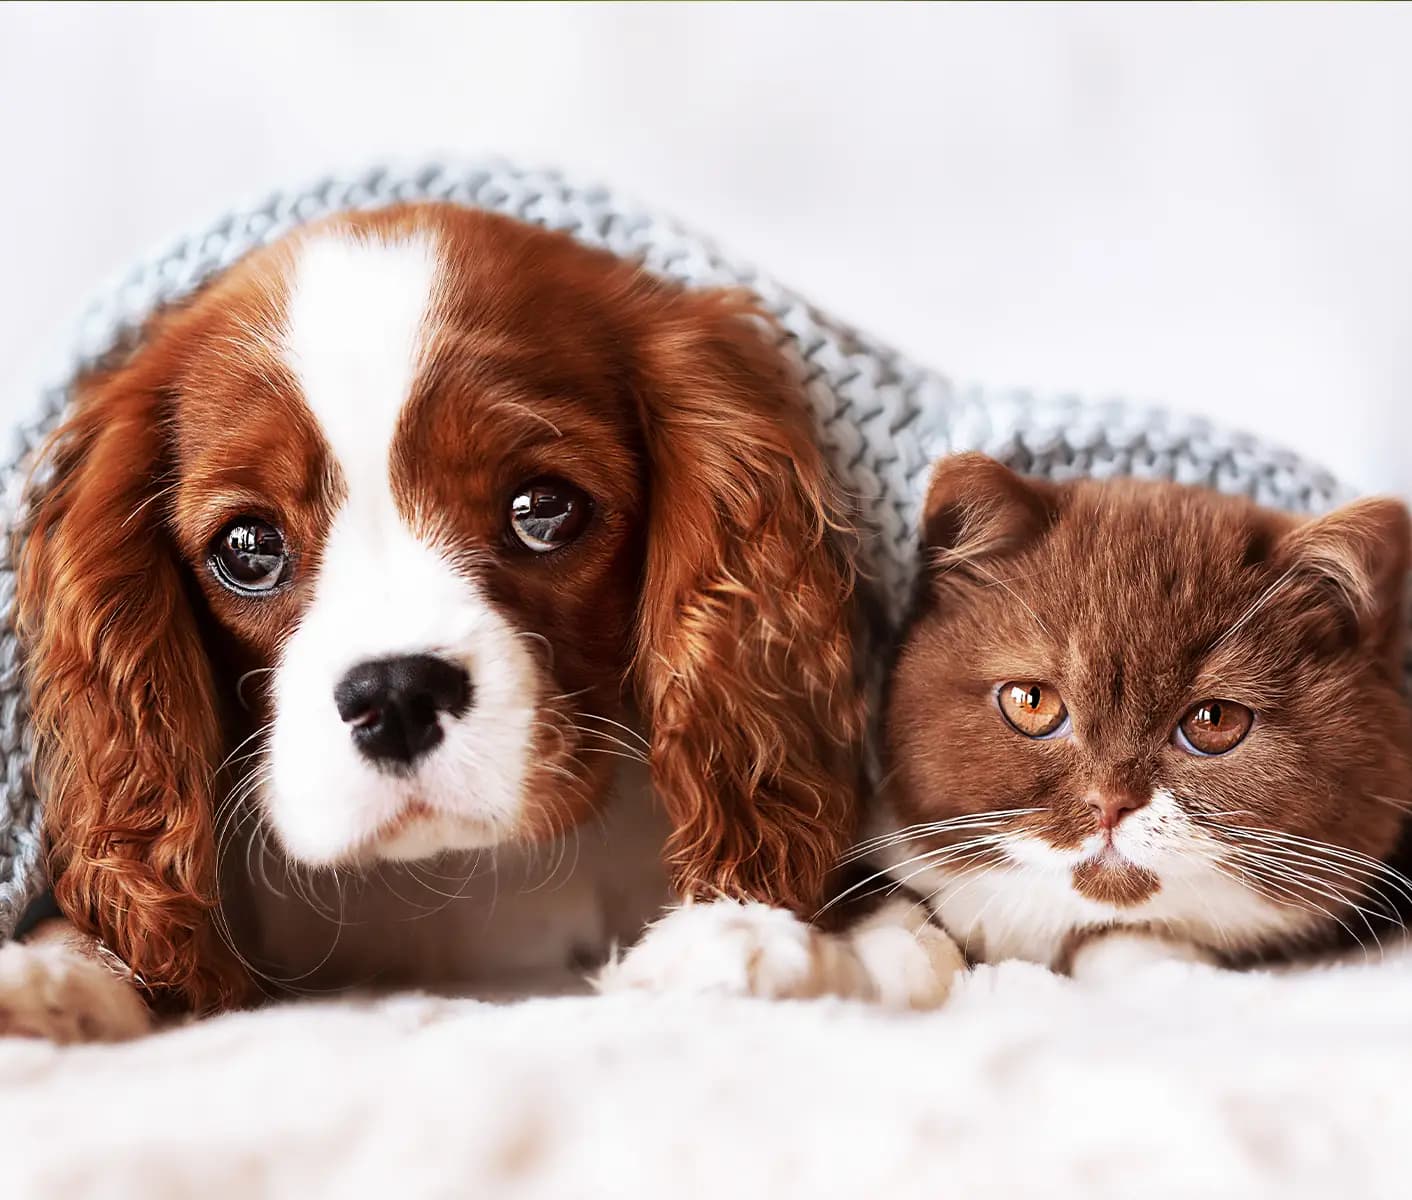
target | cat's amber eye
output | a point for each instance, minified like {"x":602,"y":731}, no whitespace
{"x":1035,"y":709}
{"x":1213,"y":727}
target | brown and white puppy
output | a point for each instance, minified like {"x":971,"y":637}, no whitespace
{"x":385,"y":539}
{"x":1153,"y":713}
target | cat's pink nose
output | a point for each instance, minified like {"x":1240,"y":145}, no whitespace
{"x":1112,"y":807}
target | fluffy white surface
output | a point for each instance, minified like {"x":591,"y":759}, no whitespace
{"x":1176,"y":1081}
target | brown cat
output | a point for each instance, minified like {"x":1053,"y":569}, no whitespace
{"x":1149,"y":709}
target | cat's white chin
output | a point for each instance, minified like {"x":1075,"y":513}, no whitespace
{"x":1027,"y":906}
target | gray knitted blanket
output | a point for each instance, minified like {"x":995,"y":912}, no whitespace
{"x":882,"y":419}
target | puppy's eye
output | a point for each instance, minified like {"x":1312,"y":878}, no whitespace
{"x":249,"y":557}
{"x":548,"y":513}
{"x":1035,"y":709}
{"x":1213,"y":726}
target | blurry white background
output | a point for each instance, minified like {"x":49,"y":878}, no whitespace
{"x":1205,"y":206}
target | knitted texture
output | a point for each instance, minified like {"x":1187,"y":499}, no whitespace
{"x":882,"y":419}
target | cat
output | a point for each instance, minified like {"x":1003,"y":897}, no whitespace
{"x":1127,"y":721}
{"x":1133,"y":720}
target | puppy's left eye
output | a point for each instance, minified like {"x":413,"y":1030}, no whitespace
{"x":249,"y":557}
{"x":546,"y":514}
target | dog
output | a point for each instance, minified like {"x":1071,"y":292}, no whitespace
{"x":387,"y":548}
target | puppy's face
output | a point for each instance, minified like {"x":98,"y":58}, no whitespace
{"x":410,"y":483}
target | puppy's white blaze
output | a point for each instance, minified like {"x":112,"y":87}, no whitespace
{"x":359,"y":317}
{"x":1025,"y":907}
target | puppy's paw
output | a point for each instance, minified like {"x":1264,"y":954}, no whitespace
{"x":909,"y":961}
{"x":1120,"y":953}
{"x":727,"y":947}
{"x":56,"y":993}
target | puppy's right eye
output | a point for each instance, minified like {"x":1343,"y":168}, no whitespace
{"x":1034,"y":709}
{"x":249,"y":557}
{"x":548,"y":513}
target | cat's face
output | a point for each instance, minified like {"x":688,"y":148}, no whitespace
{"x":1147,"y":700}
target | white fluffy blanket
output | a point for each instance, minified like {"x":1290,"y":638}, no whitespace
{"x":1179,"y":1081}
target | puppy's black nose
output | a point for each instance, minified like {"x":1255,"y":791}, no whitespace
{"x":392,"y":706}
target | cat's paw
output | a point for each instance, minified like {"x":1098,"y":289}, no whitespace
{"x":58,"y":994}
{"x":908,"y":961}
{"x":728,"y":947}
{"x":1118,"y":954}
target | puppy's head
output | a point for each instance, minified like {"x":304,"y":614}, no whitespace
{"x":389,"y":530}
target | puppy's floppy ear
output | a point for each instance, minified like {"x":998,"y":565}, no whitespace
{"x":126,"y":730}
{"x":744,"y":662}
{"x":977,"y":508}
{"x":1355,"y":561}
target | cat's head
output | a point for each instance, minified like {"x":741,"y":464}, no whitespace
{"x":1150,"y":694}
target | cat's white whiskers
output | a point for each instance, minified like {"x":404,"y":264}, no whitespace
{"x":1002,"y":841}
{"x":958,"y":867}
{"x":1368,"y":882}
{"x":949,"y":560}
{"x":979,"y":920}
{"x":1270,"y":879}
{"x":1320,"y":886}
{"x":976,"y":875}
{"x":1239,"y":875}
{"x":929,"y":858}
{"x":1293,"y":842}
{"x":1284,"y":854}
{"x":885,"y":841}
{"x":1253,"y":610}
{"x":1205,"y":814}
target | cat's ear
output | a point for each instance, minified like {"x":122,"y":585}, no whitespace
{"x":977,"y":508}
{"x":1358,"y":557}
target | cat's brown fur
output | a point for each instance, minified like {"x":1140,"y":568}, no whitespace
{"x":1137,"y":600}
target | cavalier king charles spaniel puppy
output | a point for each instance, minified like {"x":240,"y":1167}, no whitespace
{"x":387,"y":546}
